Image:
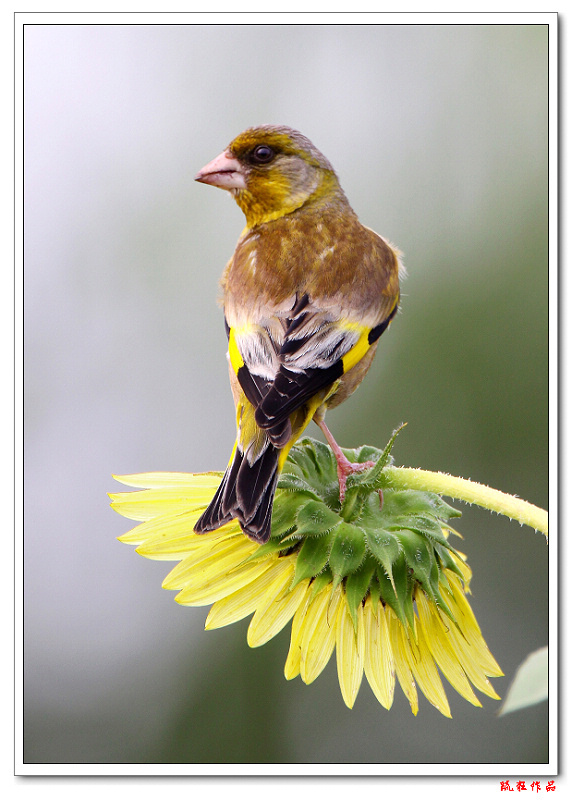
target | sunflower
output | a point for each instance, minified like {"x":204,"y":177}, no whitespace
{"x":374,"y":578}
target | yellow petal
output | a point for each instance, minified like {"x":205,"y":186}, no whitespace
{"x":425,"y":672}
{"x":319,"y":636}
{"x":292,"y":666}
{"x":378,"y":656}
{"x":349,"y":652}
{"x":277,"y":606}
{"x":461,"y":562}
{"x":149,"y":503}
{"x":470,"y":657}
{"x":146,"y":530}
{"x":468,"y":624}
{"x":401,"y":661}
{"x":244,"y":601}
{"x":209,"y":563}
{"x":174,"y":541}
{"x":438,"y":638}
{"x":220,"y":586}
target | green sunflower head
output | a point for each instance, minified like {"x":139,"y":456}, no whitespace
{"x":373,"y":578}
{"x":381,"y":541}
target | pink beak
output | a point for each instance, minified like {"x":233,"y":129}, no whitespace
{"x":223,"y":171}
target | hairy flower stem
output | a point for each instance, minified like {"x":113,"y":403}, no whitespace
{"x":469,"y":492}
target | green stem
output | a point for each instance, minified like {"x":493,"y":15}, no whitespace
{"x":470,"y":492}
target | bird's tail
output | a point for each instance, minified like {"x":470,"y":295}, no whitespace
{"x":246,"y":493}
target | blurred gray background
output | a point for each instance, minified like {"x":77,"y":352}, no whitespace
{"x":439,"y":136}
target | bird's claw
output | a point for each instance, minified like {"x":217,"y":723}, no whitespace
{"x":347,"y":468}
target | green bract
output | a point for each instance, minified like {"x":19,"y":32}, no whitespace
{"x":381,"y":541}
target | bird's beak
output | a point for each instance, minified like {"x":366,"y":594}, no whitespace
{"x":224,"y":171}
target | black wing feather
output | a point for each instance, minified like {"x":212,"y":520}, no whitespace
{"x":291,"y":390}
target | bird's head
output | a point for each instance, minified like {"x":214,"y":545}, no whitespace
{"x":273,"y":170}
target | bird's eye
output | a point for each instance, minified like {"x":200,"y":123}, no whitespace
{"x":262,"y":154}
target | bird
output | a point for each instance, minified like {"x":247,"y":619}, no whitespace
{"x":306,"y":295}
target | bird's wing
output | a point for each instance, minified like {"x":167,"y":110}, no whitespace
{"x":280,"y":367}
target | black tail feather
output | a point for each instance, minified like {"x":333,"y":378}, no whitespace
{"x":214,"y":517}
{"x":246,"y":493}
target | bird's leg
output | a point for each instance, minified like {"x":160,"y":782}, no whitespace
{"x":345,"y":466}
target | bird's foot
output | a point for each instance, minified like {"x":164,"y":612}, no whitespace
{"x":347,"y":468}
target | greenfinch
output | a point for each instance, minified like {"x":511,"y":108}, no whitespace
{"x":307,"y":294}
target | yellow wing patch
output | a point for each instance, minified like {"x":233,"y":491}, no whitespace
{"x":359,"y":349}
{"x":236,"y":359}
